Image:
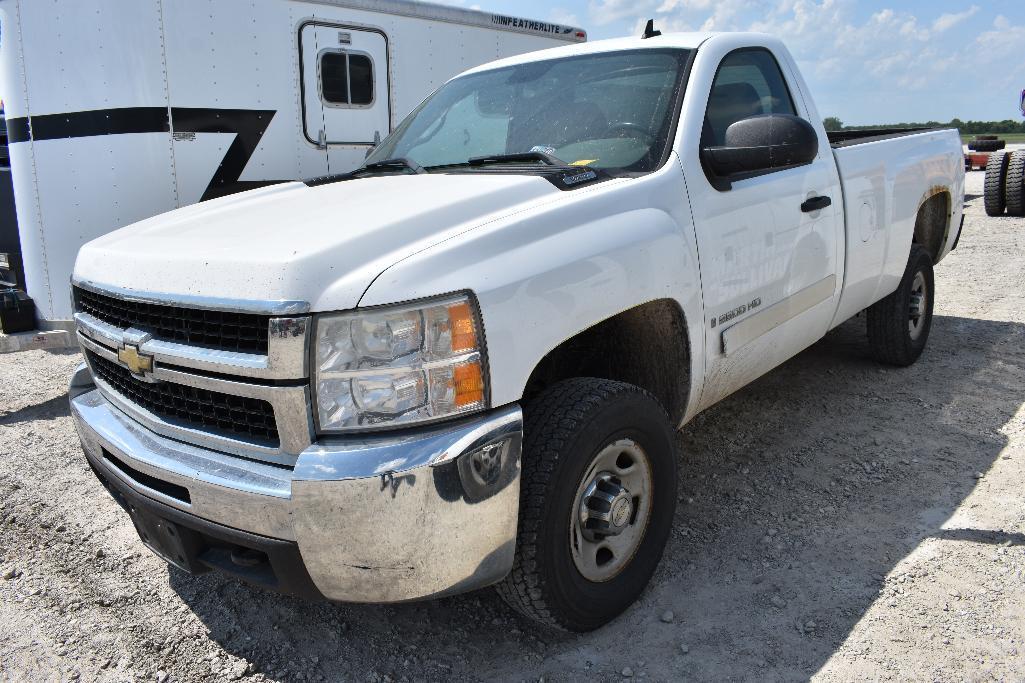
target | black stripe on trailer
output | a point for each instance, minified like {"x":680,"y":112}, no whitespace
{"x":248,"y":125}
{"x":18,"y":130}
{"x":83,"y":124}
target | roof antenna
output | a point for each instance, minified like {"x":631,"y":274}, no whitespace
{"x":649,"y":30}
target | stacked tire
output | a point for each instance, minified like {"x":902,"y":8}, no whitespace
{"x":1004,"y":187}
{"x":986,"y":143}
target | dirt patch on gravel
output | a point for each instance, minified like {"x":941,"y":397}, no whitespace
{"x":836,"y":520}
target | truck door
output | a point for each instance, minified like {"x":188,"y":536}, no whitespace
{"x":346,"y":96}
{"x":770,"y":265}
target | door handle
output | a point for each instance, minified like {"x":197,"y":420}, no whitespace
{"x":815,"y":204}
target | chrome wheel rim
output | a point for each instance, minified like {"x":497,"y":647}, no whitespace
{"x":917,"y":306}
{"x":611,"y":511}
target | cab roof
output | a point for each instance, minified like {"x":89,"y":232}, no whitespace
{"x":685,"y":41}
{"x":670,"y":40}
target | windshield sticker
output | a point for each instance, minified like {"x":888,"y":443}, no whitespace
{"x":583,"y":162}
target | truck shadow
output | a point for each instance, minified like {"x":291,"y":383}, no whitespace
{"x":797,"y":496}
{"x":51,"y":409}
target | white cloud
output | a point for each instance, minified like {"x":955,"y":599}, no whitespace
{"x":948,"y":21}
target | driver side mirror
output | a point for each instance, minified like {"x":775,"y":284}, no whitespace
{"x":760,"y":144}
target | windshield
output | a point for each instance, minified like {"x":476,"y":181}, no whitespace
{"x":611,"y":111}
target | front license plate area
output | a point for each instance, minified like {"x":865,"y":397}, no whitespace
{"x":174,"y":544}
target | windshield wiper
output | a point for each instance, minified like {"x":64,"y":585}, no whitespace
{"x":513,"y":158}
{"x":389,"y":165}
{"x":496,"y":159}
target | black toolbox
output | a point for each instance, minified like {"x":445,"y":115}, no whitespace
{"x":17,"y":311}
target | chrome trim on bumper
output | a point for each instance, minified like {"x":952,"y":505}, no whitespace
{"x":382,"y":453}
{"x":291,"y":406}
{"x":238,"y":493}
{"x":81,"y":381}
{"x":398,"y":518}
{"x":381,"y":518}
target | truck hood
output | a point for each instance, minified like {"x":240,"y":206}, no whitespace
{"x":323,"y":245}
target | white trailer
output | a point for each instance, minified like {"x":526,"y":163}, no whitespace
{"x":118,"y":110}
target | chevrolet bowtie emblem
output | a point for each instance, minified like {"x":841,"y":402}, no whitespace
{"x":138,"y":363}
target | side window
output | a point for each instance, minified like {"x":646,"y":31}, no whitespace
{"x":749,"y":82}
{"x":347,"y":79}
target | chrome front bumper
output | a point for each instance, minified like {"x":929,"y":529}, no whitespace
{"x":379,"y":518}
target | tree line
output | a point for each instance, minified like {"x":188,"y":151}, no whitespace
{"x":832,"y":123}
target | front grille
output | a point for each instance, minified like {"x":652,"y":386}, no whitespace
{"x":243,"y":332}
{"x":235,"y":416}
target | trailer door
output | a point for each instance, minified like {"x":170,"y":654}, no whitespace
{"x":346,"y":98}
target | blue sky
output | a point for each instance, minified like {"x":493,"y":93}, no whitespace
{"x":866,"y":61}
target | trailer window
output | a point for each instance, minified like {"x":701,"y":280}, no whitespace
{"x":334,"y":77}
{"x":347,"y":79}
{"x":361,"y":79}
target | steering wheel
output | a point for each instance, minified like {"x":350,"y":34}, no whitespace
{"x":636,"y":129}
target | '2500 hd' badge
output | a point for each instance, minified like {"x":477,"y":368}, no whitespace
{"x":736,"y":312}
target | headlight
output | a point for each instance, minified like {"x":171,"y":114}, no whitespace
{"x":398,"y":365}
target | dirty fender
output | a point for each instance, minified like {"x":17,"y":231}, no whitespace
{"x":554,"y":271}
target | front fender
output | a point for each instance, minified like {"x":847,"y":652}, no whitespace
{"x":551,"y":273}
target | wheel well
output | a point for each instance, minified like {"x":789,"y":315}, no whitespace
{"x":646,"y":346}
{"x":932,"y":222}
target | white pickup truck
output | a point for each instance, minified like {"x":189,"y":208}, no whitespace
{"x":463,"y":364}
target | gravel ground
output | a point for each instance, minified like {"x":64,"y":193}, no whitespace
{"x":837,"y":520}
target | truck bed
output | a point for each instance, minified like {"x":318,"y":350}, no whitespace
{"x":886,"y":178}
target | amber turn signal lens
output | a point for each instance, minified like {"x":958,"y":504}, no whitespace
{"x":464,"y":338}
{"x":469,"y":382}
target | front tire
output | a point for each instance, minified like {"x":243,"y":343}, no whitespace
{"x":598,"y":495}
{"x":899,"y":324}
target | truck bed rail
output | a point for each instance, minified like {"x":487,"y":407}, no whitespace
{"x":847,"y":138}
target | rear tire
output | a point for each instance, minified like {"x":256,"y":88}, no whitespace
{"x":898,"y":325}
{"x":599,"y":476}
{"x":1014,"y":184}
{"x":996,"y":178}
